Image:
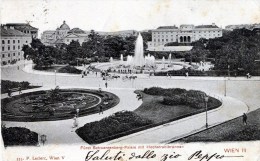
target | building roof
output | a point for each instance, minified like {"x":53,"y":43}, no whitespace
{"x":207,"y":26}
{"x":186,"y":25}
{"x":76,"y":31}
{"x":49,"y":31}
{"x":64,"y":26}
{"x":22,"y":26}
{"x":70,"y":35}
{"x":167,"y":27}
{"x":11,"y":32}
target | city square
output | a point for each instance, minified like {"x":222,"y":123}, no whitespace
{"x":234,"y":99}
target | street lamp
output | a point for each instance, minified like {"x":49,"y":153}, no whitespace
{"x":43,"y":139}
{"x":228,"y":71}
{"x":55,"y":77}
{"x":206,"y":104}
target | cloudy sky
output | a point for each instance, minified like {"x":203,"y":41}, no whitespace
{"x":114,"y":15}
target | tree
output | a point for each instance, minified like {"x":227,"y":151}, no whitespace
{"x":94,"y":46}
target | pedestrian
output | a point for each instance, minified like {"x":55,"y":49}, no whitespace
{"x":100,"y":109}
{"x":248,"y":75}
{"x":20,"y":89}
{"x":75,"y":123}
{"x":9,"y":93}
{"x":106,"y":84}
{"x":244,"y":119}
{"x":18,"y":67}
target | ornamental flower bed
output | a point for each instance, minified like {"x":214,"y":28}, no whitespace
{"x":112,"y":127}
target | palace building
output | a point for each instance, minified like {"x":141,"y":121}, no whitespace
{"x":64,"y":35}
{"x":184,"y":34}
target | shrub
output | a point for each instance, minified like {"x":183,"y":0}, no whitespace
{"x":178,"y":96}
{"x":19,"y":136}
{"x":6,"y":85}
{"x":164,"y":92}
{"x":69,"y":69}
{"x":174,"y":100}
{"x":111,"y":126}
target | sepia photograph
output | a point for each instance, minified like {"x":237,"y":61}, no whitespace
{"x":126,"y":80}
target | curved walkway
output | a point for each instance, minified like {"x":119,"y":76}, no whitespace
{"x":243,"y":89}
{"x":28,"y":69}
{"x":62,"y":132}
{"x":231,"y":108}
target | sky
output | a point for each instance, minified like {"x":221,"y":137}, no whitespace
{"x":115,"y":15}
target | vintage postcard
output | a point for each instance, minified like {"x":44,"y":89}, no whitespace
{"x":122,"y":80}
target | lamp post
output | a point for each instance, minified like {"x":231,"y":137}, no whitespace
{"x":55,"y":77}
{"x":228,"y":71}
{"x":206,"y":104}
{"x":43,"y":139}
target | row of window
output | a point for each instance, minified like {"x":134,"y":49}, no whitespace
{"x":8,"y":41}
{"x":163,"y":40}
{"x":188,"y":32}
{"x":9,"y":55}
{"x":8,"y":48}
{"x":194,"y":36}
{"x":9,"y":61}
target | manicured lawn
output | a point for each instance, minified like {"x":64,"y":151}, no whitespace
{"x":233,"y":130}
{"x":154,"y":109}
{"x":153,"y":112}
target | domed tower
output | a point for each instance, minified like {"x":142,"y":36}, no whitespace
{"x":64,"y":26}
{"x":62,"y":30}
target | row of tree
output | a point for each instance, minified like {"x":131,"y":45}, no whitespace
{"x":235,"y":50}
{"x":97,"y":48}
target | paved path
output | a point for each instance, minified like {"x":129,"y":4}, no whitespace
{"x":239,"y":88}
{"x":61,"y":131}
{"x":166,"y":133}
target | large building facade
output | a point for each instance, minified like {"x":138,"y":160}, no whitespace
{"x":64,"y":35}
{"x":184,"y":34}
{"x":12,"y":41}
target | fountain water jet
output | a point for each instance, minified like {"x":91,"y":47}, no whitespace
{"x":138,"y":59}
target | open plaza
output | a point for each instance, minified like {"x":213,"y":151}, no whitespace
{"x":235,"y":101}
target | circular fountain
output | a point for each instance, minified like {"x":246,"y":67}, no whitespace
{"x":139,"y":63}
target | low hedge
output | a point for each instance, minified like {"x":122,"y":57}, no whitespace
{"x":178,"y":96}
{"x":6,"y":85}
{"x":113,"y":125}
{"x":69,"y":69}
{"x":212,"y":73}
{"x":163,"y":91}
{"x":19,"y":136}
